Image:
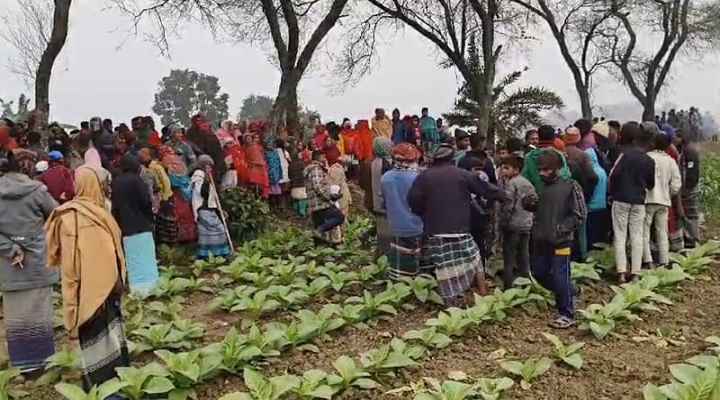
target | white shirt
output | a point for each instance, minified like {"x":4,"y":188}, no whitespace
{"x":667,"y":179}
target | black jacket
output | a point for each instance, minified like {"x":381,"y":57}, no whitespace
{"x":560,"y":211}
{"x":690,"y":164}
{"x":131,"y":202}
{"x":440,"y":195}
{"x":633,"y":174}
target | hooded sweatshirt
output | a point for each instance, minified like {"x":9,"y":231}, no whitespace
{"x":25,"y":204}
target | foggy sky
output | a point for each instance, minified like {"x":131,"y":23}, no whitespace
{"x":103,"y":72}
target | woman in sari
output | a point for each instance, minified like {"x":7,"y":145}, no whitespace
{"x":84,"y":241}
{"x":274,"y":170}
{"x":185,"y":228}
{"x":338,"y":184}
{"x":257,"y":166}
{"x":132,"y":207}
{"x":675,"y":231}
{"x":212,"y":235}
{"x":25,"y":281}
{"x":225,"y":134}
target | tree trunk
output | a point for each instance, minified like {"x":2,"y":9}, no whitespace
{"x":585,"y":106}
{"x":61,"y":17}
{"x":649,"y":108}
{"x":284,"y":112}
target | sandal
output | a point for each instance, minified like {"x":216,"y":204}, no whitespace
{"x":563,"y":322}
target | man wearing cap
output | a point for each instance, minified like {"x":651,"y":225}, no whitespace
{"x":58,"y":178}
{"x":462,"y":143}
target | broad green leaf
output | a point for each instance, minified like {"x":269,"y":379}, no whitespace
{"x":685,"y":373}
{"x":253,"y":379}
{"x":365,"y":383}
{"x":652,"y":392}
{"x":159,"y":385}
{"x":574,"y":360}
{"x":513,"y":367}
{"x":70,"y":392}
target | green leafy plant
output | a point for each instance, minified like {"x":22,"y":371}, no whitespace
{"x":313,"y":386}
{"x":527,"y":371}
{"x":697,"y":379}
{"x":452,"y":322}
{"x":7,"y":392}
{"x":429,"y":337}
{"x":64,"y":364}
{"x":247,"y":213}
{"x":253,"y":307}
{"x":324,"y":321}
{"x":140,"y":383}
{"x":693,"y":262}
{"x":584,"y":272}
{"x":187,"y":370}
{"x":270,"y":389}
{"x":493,"y":388}
{"x":603,"y":257}
{"x":382,"y":303}
{"x":234,"y":352}
{"x":229,"y":297}
{"x":349,"y":375}
{"x":288,"y":297}
{"x":639,"y":296}
{"x":74,"y":392}
{"x":602,"y":319}
{"x":569,"y":354}
{"x":447,"y":390}
{"x":424,"y":289}
{"x":172,"y":335}
{"x":668,"y":277}
{"x":387,"y":358}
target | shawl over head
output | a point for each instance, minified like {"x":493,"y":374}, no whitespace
{"x":92,"y":264}
{"x":405,"y":152}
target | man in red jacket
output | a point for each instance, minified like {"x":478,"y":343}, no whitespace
{"x":58,"y":179}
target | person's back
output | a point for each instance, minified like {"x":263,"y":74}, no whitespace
{"x":394,"y":186}
{"x":667,"y":179}
{"x":131,"y":200}
{"x":633,"y":174}
{"x":517,"y":217}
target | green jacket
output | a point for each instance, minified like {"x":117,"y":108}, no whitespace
{"x":530,"y":168}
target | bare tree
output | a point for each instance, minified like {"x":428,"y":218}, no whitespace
{"x":450,"y":26}
{"x":27,"y":31}
{"x":295,"y":28}
{"x":675,"y":26}
{"x":575,"y":26}
{"x":37,"y":31}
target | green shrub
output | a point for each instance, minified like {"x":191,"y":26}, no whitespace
{"x":247,"y":213}
{"x":710,"y":180}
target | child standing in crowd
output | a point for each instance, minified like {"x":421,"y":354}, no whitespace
{"x":631,"y":177}
{"x":515,"y":221}
{"x":659,"y":200}
{"x":560,"y":211}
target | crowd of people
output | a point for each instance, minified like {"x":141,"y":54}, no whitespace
{"x":88,"y":207}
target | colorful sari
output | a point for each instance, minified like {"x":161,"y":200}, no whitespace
{"x":257,"y":168}
{"x":237,"y":153}
{"x":675,"y":230}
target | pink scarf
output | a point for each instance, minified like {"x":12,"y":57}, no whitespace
{"x":92,"y":158}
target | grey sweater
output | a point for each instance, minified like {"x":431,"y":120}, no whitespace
{"x":513,"y":217}
{"x":25,"y":204}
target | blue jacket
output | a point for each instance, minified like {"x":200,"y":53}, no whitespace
{"x":398,"y":135}
{"x":598,"y":201}
{"x":394,"y":188}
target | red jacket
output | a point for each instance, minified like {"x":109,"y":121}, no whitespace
{"x":59,"y":180}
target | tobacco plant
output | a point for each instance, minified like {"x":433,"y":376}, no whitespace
{"x":313,"y":385}
{"x":234,"y":352}
{"x":584,"y":272}
{"x":141,"y":383}
{"x":349,"y":375}
{"x":7,"y":392}
{"x":697,"y":379}
{"x":389,"y":357}
{"x":429,"y":337}
{"x":602,"y":319}
{"x":493,"y":388}
{"x":452,"y":322}
{"x":253,"y":307}
{"x":447,"y":390}
{"x":187,"y":370}
{"x":639,"y":297}
{"x":424,"y":289}
{"x":74,"y":392}
{"x":325,"y":321}
{"x":382,"y":303}
{"x":566,"y":353}
{"x":267,"y":389}
{"x":527,"y":371}
{"x":173,"y":335}
{"x":62,"y":365}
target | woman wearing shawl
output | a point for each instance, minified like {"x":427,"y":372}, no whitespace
{"x":212,"y":236}
{"x":404,"y":228}
{"x":320,"y":136}
{"x":364,"y":141}
{"x":379,"y":166}
{"x":132,"y":208}
{"x":284,"y":157}
{"x":257,"y":166}
{"x":182,"y":219}
{"x":338,"y":184}
{"x":25,"y":282}
{"x":235,"y":157}
{"x":226,"y":134}
{"x":691,"y":190}
{"x":349,"y":143}
{"x":91,"y":159}
{"x":182,"y":149}
{"x":84,"y":241}
{"x":298,"y":193}
{"x":274,"y":171}
{"x":675,"y":231}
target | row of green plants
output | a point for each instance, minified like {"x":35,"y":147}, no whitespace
{"x":638,"y":296}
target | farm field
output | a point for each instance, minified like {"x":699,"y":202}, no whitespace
{"x":288,"y":320}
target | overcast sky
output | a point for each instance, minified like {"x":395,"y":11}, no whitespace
{"x":94,"y":75}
